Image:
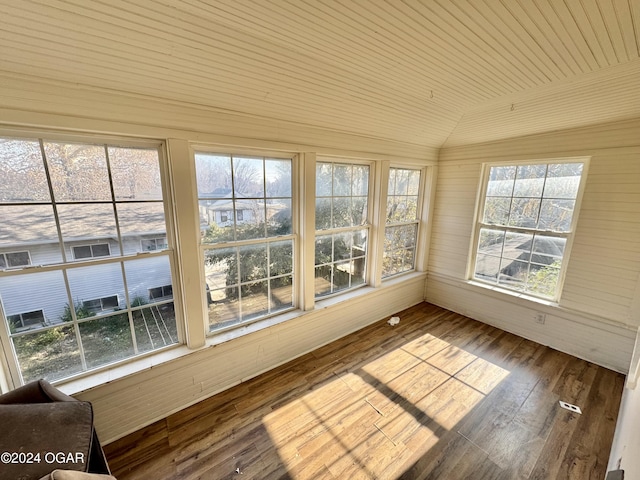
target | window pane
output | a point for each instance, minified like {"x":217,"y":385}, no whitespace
{"x":224,"y":308}
{"x":547,"y":250}
{"x":83,"y":222}
{"x":18,"y":259}
{"x":94,"y":283}
{"x":543,"y":280}
{"x":141,"y":224}
{"x":341,"y":212}
{"x":491,"y":241}
{"x":563,"y":180}
{"x":279,"y":217}
{"x":281,"y":293}
{"x":81,"y":252}
{"x":324,"y":249}
{"x":3,"y":262}
{"x":253,"y":262}
{"x":100,"y":250}
{"x":496,"y":210}
{"x":517,"y":246}
{"x":360,"y":185}
{"x":529,"y":181}
{"x":556,"y":215}
{"x":281,"y":258}
{"x":524,"y":212}
{"x":414,"y":182}
{"x":135,"y":173}
{"x":221,"y":268}
{"x":145,"y":274}
{"x":341,"y":180}
{"x":278,"y":174}
{"x":213,"y":175}
{"x":50,"y":354}
{"x":487,"y":267}
{"x":254,"y":299}
{"x":323,"y":179}
{"x":78,"y":172}
{"x":359,"y":211}
{"x":22,"y":172}
{"x":214,"y":228}
{"x":248,"y":177}
{"x":323,"y":213}
{"x":501,"y":181}
{"x":31,"y":292}
{"x":402,"y":182}
{"x":34,"y":225}
{"x":513,"y":273}
{"x":106,"y":340}
{"x":253,"y":224}
{"x":323,"y":281}
{"x":155,"y":327}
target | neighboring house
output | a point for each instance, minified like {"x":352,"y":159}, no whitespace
{"x":35,"y":244}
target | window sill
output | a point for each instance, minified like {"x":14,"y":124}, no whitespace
{"x":511,"y":293}
{"x":109,"y":374}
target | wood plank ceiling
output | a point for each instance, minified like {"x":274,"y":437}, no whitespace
{"x":430,"y":72}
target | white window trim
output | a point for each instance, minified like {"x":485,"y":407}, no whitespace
{"x":90,"y":245}
{"x":477,"y":222}
{"x":417,"y":222}
{"x":11,"y":375}
{"x":6,"y":259}
{"x":371,"y":273}
{"x":202,"y":247}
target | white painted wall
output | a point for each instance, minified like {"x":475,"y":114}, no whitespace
{"x":594,"y":317}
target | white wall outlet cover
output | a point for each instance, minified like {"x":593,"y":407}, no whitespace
{"x":571,"y":408}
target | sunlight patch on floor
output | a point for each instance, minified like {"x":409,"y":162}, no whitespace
{"x":373,"y":418}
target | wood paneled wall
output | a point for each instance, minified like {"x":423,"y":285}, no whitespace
{"x":596,"y":318}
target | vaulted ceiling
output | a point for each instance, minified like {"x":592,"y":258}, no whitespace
{"x":430,"y":72}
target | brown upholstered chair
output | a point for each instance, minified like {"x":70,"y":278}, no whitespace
{"x":38,"y":418}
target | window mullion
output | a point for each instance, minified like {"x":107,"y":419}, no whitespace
{"x":378,"y":199}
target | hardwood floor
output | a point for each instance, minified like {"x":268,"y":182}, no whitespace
{"x":438,"y":396}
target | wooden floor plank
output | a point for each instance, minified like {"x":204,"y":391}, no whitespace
{"x":438,"y":396}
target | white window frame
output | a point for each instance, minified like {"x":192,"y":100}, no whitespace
{"x":417,"y":221}
{"x":293,"y":236}
{"x":368,"y":225}
{"x":569,"y":236}
{"x":14,"y":378}
{"x":6,"y":259}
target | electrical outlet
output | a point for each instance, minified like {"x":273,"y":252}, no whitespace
{"x":540,"y":318}
{"x":571,"y":408}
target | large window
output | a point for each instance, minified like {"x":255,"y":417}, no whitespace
{"x":83,"y":209}
{"x":401,"y":230}
{"x":526,"y":221}
{"x":247,"y":236}
{"x":342,"y":226}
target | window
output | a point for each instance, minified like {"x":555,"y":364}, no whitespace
{"x":249,"y":265}
{"x":161,"y":292}
{"x":91,"y":251}
{"x":100,"y":304}
{"x":224,"y":218}
{"x":149,"y":245}
{"x":14,"y":259}
{"x":83,"y":209}
{"x":24,"y":321}
{"x":342,"y":226}
{"x":239,"y":215}
{"x":401,"y":230}
{"x":526,"y":221}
